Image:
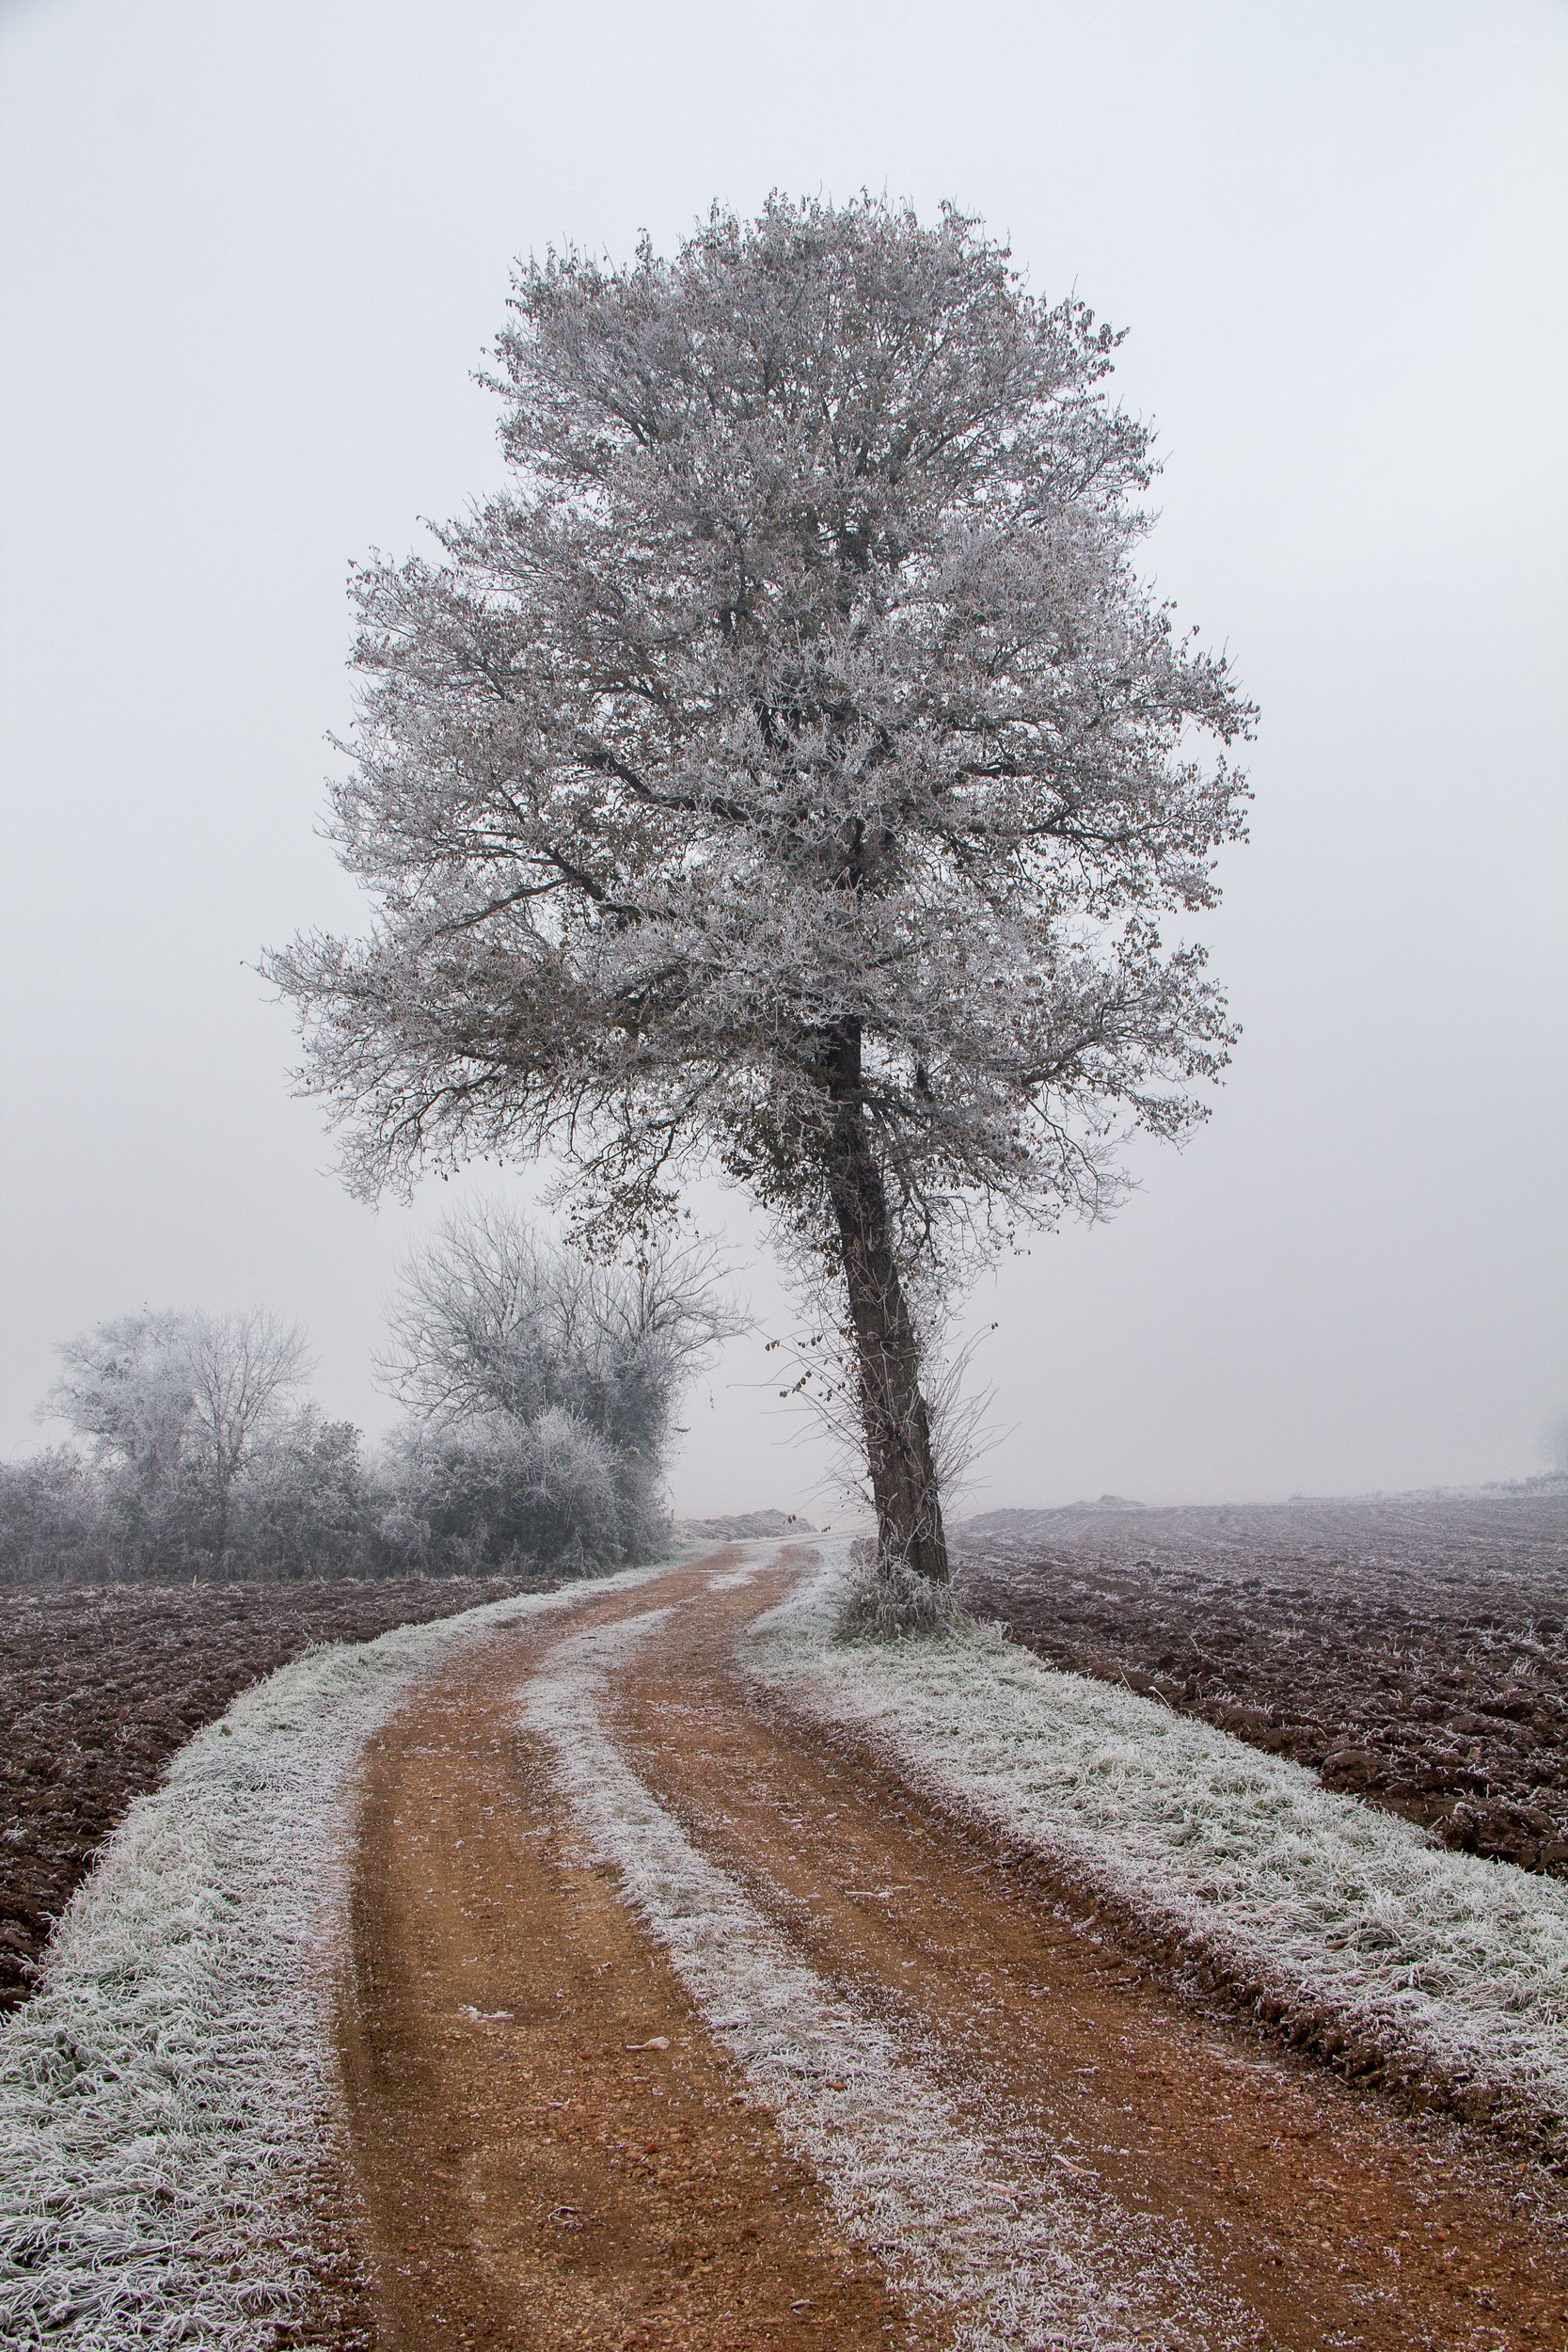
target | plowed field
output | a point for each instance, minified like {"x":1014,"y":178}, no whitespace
{"x":100,"y":1684}
{"x":1414,"y":1650}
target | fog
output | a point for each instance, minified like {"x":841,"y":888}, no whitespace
{"x":250,"y":259}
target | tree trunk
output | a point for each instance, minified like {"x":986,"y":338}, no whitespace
{"x":887,"y":1354}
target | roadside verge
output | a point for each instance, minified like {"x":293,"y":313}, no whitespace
{"x":1345,"y":1927}
{"x":165,"y":2096}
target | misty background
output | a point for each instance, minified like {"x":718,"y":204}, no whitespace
{"x":248,"y":260}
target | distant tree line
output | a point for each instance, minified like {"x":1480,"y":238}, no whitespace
{"x":538,"y":1390}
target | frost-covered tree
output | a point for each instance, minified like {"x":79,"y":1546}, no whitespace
{"x":788,"y":770}
{"x":488,"y":1492}
{"x":303,"y":1504}
{"x":124,"y":1386}
{"x":542,"y":1384}
{"x":491,"y":1317}
{"x":53,"y":1522}
{"x":178,"y":1406}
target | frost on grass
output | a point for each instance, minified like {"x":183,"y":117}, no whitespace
{"x":982,"y":2218}
{"x":164,"y":2098}
{"x":887,"y":1600}
{"x":1454,"y":1969}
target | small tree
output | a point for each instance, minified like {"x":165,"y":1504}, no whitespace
{"x":124,"y":1386}
{"x":543,"y":1384}
{"x":494,"y":1493}
{"x":302,"y":1505}
{"x":52,"y":1519}
{"x":178,"y":1407}
{"x":788,"y":770}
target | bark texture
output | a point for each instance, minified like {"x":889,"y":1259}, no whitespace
{"x":887,"y":1346}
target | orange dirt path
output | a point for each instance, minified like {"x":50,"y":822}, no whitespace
{"x":531,"y":2177}
{"x":528,"y":2172}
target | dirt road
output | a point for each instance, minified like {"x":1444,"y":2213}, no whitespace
{"x":669,"y":2022}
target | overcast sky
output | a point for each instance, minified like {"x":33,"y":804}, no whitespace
{"x":250,"y":259}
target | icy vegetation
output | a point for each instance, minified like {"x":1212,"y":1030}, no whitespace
{"x":1445,"y":1968}
{"x":540,"y":1389}
{"x":164,"y":2099}
{"x":981,"y":2219}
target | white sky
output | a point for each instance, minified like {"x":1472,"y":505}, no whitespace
{"x":249,"y":258}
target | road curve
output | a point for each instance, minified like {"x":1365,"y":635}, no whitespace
{"x":668,"y":2021}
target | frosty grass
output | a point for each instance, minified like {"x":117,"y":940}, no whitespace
{"x":1453,"y":1967}
{"x":163,"y":2096}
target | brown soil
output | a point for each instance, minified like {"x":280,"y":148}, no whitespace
{"x":535,"y":2179}
{"x":1415,"y":1650}
{"x":549,"y":2149}
{"x":100,"y":1685}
